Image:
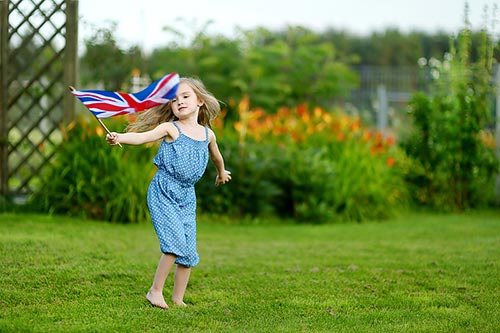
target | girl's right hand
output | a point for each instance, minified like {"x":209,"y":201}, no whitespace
{"x":223,"y":178}
{"x":112,"y":138}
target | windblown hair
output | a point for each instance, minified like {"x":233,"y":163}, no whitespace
{"x":151,"y":118}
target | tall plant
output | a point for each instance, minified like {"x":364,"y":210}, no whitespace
{"x":455,"y":167}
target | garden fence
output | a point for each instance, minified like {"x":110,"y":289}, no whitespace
{"x":38,"y":44}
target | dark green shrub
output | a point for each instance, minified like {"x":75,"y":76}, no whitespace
{"x":344,"y":181}
{"x":92,"y":179}
{"x":251,"y":192}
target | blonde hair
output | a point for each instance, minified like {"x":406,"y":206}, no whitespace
{"x":151,"y":118}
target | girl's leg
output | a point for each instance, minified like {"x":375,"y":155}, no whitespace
{"x":180,"y":284}
{"x":155,"y":294}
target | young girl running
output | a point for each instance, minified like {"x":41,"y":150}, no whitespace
{"x":187,"y":143}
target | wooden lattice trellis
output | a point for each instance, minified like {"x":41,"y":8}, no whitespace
{"x":38,"y":45}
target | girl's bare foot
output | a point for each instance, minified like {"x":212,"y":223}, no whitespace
{"x":156,"y":299}
{"x":181,"y":303}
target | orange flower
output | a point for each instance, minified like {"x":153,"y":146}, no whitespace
{"x":231,"y":102}
{"x":303,"y":113}
{"x":367,"y":135}
{"x":344,"y":121}
{"x":356,"y":124}
{"x":99,"y":131}
{"x":391,"y":161}
{"x":296,"y":136}
{"x":244,"y":104}
{"x":302,"y":110}
{"x":217,"y":123}
{"x":136,"y":72}
{"x":238,"y":126}
{"x":327,"y":118}
{"x":284,"y":111}
{"x":256,"y":114}
{"x":223,"y":113}
{"x":279,"y":130}
{"x":320,"y":127}
{"x":378,"y":148}
{"x":389,"y":141}
{"x":318,"y":113}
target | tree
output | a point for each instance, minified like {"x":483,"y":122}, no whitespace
{"x":105,"y":63}
{"x":275,"y":69}
{"x":292,"y":67}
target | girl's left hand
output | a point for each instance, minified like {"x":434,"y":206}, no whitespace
{"x":112,"y":138}
{"x":223,"y":178}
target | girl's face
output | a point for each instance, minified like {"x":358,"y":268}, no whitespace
{"x":186,"y":103}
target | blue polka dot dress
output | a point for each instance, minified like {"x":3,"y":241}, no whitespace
{"x":172,"y":198}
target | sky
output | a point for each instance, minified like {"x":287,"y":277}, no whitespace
{"x":141,"y":22}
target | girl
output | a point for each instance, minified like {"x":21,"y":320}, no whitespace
{"x":187,"y":142}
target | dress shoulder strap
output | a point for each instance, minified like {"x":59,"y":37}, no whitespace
{"x":206,"y":133}
{"x":177,"y":126}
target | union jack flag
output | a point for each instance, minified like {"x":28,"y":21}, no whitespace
{"x":104,"y":104}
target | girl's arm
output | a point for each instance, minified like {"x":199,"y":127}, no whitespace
{"x":133,"y":138}
{"x":223,"y":176}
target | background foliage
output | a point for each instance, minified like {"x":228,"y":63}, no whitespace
{"x":306,"y":164}
{"x":276,"y":68}
{"x":310,"y":165}
{"x":451,"y":142}
{"x":295,"y":152}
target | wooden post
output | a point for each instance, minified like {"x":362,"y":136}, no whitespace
{"x":383,"y":109}
{"x":70,"y":57}
{"x":4,"y":136}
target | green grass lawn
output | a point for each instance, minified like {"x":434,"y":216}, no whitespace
{"x":420,"y":273}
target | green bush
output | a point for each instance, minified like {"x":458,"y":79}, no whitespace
{"x":339,"y":172}
{"x":454,"y":167}
{"x":89,"y":178}
{"x":251,"y":191}
{"x":324,"y":176}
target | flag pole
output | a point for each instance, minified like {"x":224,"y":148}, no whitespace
{"x":99,"y":120}
{"x":107,"y":130}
